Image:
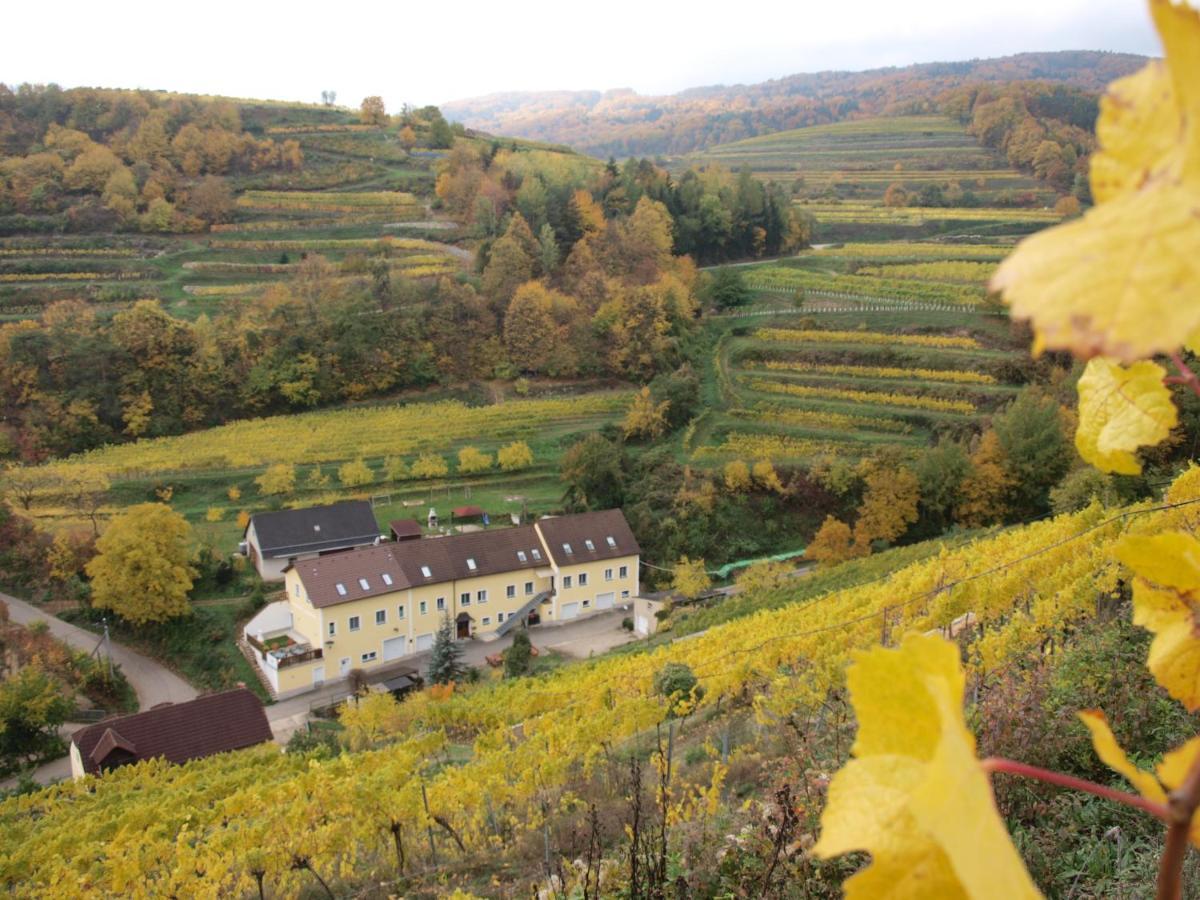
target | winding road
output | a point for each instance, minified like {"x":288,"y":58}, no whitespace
{"x":153,"y":682}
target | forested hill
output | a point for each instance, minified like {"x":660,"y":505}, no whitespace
{"x":624,"y":123}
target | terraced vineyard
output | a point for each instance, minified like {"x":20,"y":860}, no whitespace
{"x":359,"y":193}
{"x":849,"y":348}
{"x":839,"y":174}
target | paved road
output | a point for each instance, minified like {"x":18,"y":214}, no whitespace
{"x":579,"y":638}
{"x":153,"y":682}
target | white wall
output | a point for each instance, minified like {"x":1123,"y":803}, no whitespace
{"x":273,"y":617}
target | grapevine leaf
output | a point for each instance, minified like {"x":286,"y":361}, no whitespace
{"x":914,"y":795}
{"x":1172,"y":770}
{"x":1166,"y":600}
{"x":1111,"y":754}
{"x":1120,"y":410}
{"x":1121,"y":280}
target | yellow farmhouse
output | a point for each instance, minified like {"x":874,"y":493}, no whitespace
{"x":359,"y":609}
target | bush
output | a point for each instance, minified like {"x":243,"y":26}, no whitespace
{"x":627,"y":623}
{"x":678,"y":683}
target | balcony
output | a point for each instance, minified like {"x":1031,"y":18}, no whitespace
{"x":282,"y":650}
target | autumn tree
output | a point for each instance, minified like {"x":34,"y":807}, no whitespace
{"x":472,"y":460}
{"x":430,"y":465}
{"x":355,"y":473}
{"x":211,"y":200}
{"x":889,"y":505}
{"x":832,"y":543}
{"x":372,"y":111}
{"x":645,"y":418}
{"x":395,"y":469}
{"x":690,"y":578}
{"x":737,"y":477}
{"x":142,"y":570}
{"x":985,"y":490}
{"x":33,"y":704}
{"x":514,"y":456}
{"x":592,"y":471}
{"x":765,"y":575}
{"x":766,"y":477}
{"x":511,"y":263}
{"x":277,"y":479}
{"x":530,"y":333}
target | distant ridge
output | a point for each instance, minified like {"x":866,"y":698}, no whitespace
{"x":622,"y":122}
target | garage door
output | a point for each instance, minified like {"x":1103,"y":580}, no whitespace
{"x":394,"y":648}
{"x":605,"y":601}
{"x":643,"y":625}
{"x":570,"y":610}
{"x":424,"y":642}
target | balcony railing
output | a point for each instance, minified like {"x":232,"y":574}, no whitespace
{"x":281,"y":657}
{"x":293,"y":659}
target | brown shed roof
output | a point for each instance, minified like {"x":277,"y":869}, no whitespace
{"x":405,"y":528}
{"x":178,"y":732}
{"x":603,"y":534}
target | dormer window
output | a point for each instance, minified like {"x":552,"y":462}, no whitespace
{"x":341,"y":589}
{"x":387,"y":579}
{"x":612,"y":541}
{"x":521,"y":556}
{"x":588,"y":543}
{"x":567,"y":548}
{"x":471,"y":564}
{"x":425,"y":571}
{"x":364,"y":584}
{"x":537,"y":554}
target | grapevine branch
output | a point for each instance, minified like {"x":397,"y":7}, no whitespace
{"x":1182,"y":804}
{"x":1012,"y":767}
{"x":1186,"y":376}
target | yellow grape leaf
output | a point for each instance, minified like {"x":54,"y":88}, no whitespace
{"x":915,"y":796}
{"x":1120,"y":410}
{"x":1166,"y":599}
{"x":1111,"y":754}
{"x":1172,"y":770}
{"x":1122,"y":281}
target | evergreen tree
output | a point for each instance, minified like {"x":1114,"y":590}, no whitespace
{"x":518,"y":657}
{"x":445,"y":661}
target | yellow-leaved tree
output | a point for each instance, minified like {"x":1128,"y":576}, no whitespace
{"x":355,"y":473}
{"x":1118,"y":287}
{"x":142,"y":570}
{"x":514,"y":456}
{"x":690,"y":577}
{"x":472,"y":460}
{"x":277,"y":479}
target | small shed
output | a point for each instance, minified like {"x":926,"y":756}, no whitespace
{"x":462,"y":514}
{"x":405,"y":529}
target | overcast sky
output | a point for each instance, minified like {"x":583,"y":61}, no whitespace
{"x":429,"y":52}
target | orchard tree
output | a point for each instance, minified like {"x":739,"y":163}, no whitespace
{"x":277,"y":479}
{"x":472,"y":460}
{"x":430,"y":465}
{"x":514,"y":456}
{"x":142,"y":570}
{"x":355,"y":473}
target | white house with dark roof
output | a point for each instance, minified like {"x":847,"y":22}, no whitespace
{"x":276,"y":540}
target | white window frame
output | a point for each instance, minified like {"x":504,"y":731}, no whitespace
{"x":529,"y":589}
{"x":481,"y":596}
{"x":332,"y":629}
{"x":487,"y":620}
{"x":424,"y":607}
{"x":341,"y":589}
{"x":369,"y":657}
{"x":567,"y":549}
{"x":387,"y":579}
{"x":510,"y":592}
{"x":364,"y":584}
{"x":425,"y":570}
{"x":608,"y":574}
{"x":440,"y":603}
{"x":588,"y":543}
{"x":464,"y":598}
{"x":582,"y":579}
{"x":566,"y":579}
{"x":400,"y":612}
{"x":612,"y":541}
{"x":381,"y":617}
{"x":471,"y":563}
{"x":536,"y":553}
{"x":521,"y":557}
{"x":623,"y":572}
{"x":354,"y":624}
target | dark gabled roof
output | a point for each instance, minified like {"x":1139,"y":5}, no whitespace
{"x":178,"y":732}
{"x":577,"y":530}
{"x":287,"y":532}
{"x":405,"y":528}
{"x":445,"y":558}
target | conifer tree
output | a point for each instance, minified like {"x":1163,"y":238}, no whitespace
{"x":445,"y":661}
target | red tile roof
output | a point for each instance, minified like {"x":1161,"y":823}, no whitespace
{"x":178,"y":732}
